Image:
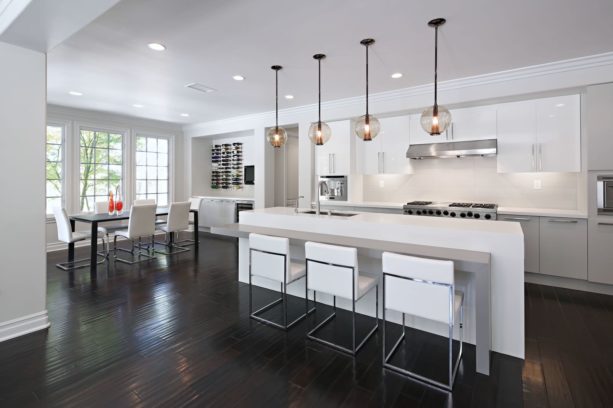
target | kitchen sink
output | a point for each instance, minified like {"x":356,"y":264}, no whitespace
{"x":332,"y":213}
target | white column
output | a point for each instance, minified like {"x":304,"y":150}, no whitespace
{"x":22,"y":185}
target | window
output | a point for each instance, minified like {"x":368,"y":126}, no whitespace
{"x":152,"y":169}
{"x":54,"y":166}
{"x":101,"y":166}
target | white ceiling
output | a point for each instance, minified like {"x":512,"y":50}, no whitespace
{"x":209,"y":41}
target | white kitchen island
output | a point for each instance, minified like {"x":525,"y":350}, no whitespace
{"x":489,"y":257}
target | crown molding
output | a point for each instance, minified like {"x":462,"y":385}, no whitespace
{"x":534,"y":71}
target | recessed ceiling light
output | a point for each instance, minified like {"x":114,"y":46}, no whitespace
{"x":157,"y":46}
{"x":238,"y":77}
{"x":397,"y":75}
{"x":289,"y":96}
{"x":75,"y":93}
{"x":138,"y":105}
{"x":185,"y":115}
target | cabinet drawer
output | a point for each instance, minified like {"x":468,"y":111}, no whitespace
{"x":563,"y":247}
{"x":600,"y":251}
{"x":531,"y":228}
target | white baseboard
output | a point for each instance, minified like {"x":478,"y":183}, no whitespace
{"x":24,"y":325}
{"x":567,"y":283}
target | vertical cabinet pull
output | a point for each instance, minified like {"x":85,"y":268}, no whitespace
{"x":533,"y":157}
{"x":329,"y":163}
{"x":562,"y":221}
{"x":540,"y":157}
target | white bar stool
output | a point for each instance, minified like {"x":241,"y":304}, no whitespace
{"x":334,"y":270}
{"x":269,"y":258}
{"x":424,"y":288}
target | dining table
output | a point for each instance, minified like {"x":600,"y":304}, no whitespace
{"x":96,"y":219}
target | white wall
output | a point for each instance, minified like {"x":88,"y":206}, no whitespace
{"x":475,"y":179}
{"x":22,"y":182}
{"x":72,"y":119}
{"x":201,"y":164}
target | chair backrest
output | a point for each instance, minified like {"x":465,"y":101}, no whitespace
{"x":142,"y":221}
{"x":269,"y":264}
{"x":332,"y":269}
{"x":178,"y":216}
{"x":101,"y":207}
{"x":195,"y":203}
{"x":147,"y":201}
{"x":421,"y":287}
{"x":64,"y":230}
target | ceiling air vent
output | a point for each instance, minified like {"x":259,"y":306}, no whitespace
{"x":200,"y":87}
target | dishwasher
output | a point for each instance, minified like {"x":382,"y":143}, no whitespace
{"x":242,"y":206}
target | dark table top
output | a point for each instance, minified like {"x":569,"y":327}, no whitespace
{"x":104,"y":217}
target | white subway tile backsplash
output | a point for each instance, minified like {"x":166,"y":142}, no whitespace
{"x":474,"y":179}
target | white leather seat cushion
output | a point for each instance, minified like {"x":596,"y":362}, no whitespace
{"x":458,"y":300}
{"x":80,"y":235}
{"x":109,"y":229}
{"x":365,"y":283}
{"x":124,"y":233}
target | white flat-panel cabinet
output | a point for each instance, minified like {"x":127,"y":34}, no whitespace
{"x":599,"y":125}
{"x":516,"y":137}
{"x":216,"y":212}
{"x":333,"y":158}
{"x":531,"y":229}
{"x":600,"y":251}
{"x":563,"y":247}
{"x":558,"y":133}
{"x":386,"y":153}
{"x":542,"y":135}
{"x":476,"y":123}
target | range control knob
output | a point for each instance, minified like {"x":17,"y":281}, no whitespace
{"x":463,"y":215}
{"x":470,"y":214}
{"x":438,"y":212}
{"x":487,"y":216}
{"x":410,"y":212}
{"x":430,"y":212}
{"x":477,"y":215}
{"x":452,"y":214}
{"x":418,"y":212}
{"x":445,"y":212}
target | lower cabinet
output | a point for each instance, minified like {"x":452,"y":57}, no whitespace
{"x":216,"y":212}
{"x":531,"y":228}
{"x":563,"y":247}
{"x":600,"y":252}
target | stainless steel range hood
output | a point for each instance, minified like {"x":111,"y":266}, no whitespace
{"x":486,"y":147}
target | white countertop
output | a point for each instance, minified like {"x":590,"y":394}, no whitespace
{"x":536,"y":212}
{"x":542,"y":212}
{"x":225,"y":198}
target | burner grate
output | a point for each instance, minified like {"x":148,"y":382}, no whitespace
{"x":485,"y":206}
{"x":462,"y":205}
{"x":419,"y":203}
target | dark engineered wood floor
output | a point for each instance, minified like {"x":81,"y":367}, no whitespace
{"x":175,"y":332}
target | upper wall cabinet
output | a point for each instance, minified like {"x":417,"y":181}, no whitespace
{"x":475,"y":123}
{"x":386,"y":153}
{"x":333,"y":158}
{"x":599,"y":127}
{"x":540,"y":135}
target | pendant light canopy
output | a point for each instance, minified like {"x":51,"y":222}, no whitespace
{"x":367,"y":127}
{"x":436,"y":119}
{"x":319,"y":132}
{"x":276,"y":136}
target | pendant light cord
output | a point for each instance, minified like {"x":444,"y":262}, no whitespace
{"x":367,"y":84}
{"x":277,"y":101}
{"x":435,"y":69}
{"x":319,"y":95}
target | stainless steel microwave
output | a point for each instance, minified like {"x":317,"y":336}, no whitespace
{"x":604,"y":191}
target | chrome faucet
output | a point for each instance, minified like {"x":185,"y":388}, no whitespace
{"x":322,"y":188}
{"x":296,"y":203}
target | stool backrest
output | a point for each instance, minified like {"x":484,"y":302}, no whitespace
{"x":142,"y":221}
{"x":64,"y":230}
{"x":332,"y":269}
{"x":178,"y":216}
{"x":147,"y":201}
{"x":269,"y":256}
{"x":419,"y":286}
{"x":101,"y":207}
{"x":195,"y":203}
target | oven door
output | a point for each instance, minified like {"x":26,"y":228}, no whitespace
{"x":605,"y":195}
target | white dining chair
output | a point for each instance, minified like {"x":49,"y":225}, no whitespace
{"x":423,"y":288}
{"x":140,"y":225}
{"x":67,"y":235}
{"x":195,"y":206}
{"x":102,"y":207}
{"x":269,"y":258}
{"x":146,"y":201}
{"x":177,"y":221}
{"x":334,"y":270}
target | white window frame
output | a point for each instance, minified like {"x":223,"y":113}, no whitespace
{"x":171,"y":161}
{"x":65,"y":171}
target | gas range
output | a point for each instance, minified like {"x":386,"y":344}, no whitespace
{"x":478,"y":211}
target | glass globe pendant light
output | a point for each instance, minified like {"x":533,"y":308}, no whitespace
{"x":435,"y":119}
{"x":319,"y":132}
{"x":367,"y":127}
{"x":276,"y":136}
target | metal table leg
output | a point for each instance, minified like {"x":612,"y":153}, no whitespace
{"x":93,"y":252}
